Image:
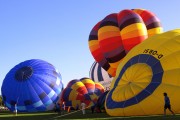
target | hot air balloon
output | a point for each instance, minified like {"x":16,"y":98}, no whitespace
{"x":33,"y":85}
{"x":149,"y":69}
{"x":114,"y":36}
{"x":98,"y":74}
{"x":81,"y":90}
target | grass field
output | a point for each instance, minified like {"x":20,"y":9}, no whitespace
{"x":75,"y":115}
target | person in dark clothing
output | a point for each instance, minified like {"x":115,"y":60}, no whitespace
{"x":167,"y":104}
{"x":77,"y":106}
{"x":57,"y":108}
{"x":92,"y":108}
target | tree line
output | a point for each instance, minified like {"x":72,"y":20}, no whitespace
{"x":1,"y":101}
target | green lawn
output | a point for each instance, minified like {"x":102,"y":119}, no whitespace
{"x":77,"y":115}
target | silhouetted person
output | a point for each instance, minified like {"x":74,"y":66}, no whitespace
{"x":92,"y":108}
{"x":58,"y":108}
{"x":167,"y":104}
{"x":77,"y":106}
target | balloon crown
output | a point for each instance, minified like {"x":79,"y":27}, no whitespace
{"x":23,"y":73}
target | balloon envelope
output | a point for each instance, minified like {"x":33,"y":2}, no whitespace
{"x":98,"y":74}
{"x":33,"y":85}
{"x":114,"y":36}
{"x":148,"y":70}
{"x":81,"y":90}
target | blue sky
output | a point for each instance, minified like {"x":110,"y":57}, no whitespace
{"x":57,"y":31}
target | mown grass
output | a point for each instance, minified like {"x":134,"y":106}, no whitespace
{"x":75,"y":115}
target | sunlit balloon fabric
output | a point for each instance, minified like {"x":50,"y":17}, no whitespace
{"x":98,"y":74}
{"x":82,"y":90}
{"x":148,"y":70}
{"x":115,"y":35}
{"x":34,"y":85}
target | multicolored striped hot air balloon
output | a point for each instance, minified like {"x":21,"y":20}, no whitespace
{"x":147,"y":71}
{"x":98,"y":74}
{"x":114,"y":36}
{"x":81,"y":90}
{"x":33,"y":85}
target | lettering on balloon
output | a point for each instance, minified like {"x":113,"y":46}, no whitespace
{"x":153,"y":53}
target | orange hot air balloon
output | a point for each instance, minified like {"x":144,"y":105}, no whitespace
{"x":114,"y":36}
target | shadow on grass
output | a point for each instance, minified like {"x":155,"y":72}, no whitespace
{"x":76,"y":115}
{"x":103,"y":116}
{"x":27,"y":116}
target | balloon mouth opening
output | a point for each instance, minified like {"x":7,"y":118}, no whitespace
{"x":23,"y":73}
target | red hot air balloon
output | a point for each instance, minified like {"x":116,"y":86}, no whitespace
{"x":114,"y":36}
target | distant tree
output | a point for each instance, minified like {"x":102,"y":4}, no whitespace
{"x":1,"y":101}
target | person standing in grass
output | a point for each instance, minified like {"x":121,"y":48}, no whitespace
{"x":77,"y":106}
{"x":63,"y":107}
{"x":167,"y":104}
{"x":93,"y":108}
{"x":83,"y":106}
{"x":58,"y":108}
{"x":15,"y":109}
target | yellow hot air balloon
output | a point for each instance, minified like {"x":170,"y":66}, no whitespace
{"x":149,"y":69}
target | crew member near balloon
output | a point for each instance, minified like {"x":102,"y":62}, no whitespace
{"x":15,"y":109}
{"x":167,"y":104}
{"x":83,"y":107}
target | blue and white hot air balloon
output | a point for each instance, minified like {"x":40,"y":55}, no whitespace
{"x":98,"y":74}
{"x":33,"y":85}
